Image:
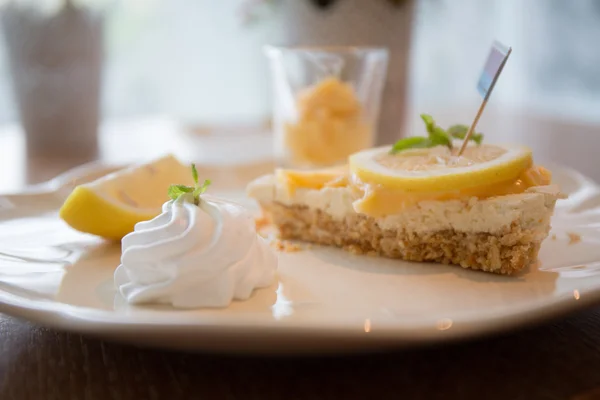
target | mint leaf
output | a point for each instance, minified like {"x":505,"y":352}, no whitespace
{"x":477,"y":137}
{"x":205,"y":185}
{"x":429,"y":122}
{"x":195,"y":174}
{"x":201,"y":189}
{"x":437,"y":135}
{"x":415,"y":142}
{"x":460,"y":132}
{"x":177,"y":190}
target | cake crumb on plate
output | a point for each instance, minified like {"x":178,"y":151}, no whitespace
{"x":285,"y":246}
{"x":262,"y":222}
{"x":574,"y":237}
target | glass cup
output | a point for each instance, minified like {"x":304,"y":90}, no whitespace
{"x":326,"y":102}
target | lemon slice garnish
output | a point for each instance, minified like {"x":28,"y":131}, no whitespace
{"x":111,"y":206}
{"x":438,"y":170}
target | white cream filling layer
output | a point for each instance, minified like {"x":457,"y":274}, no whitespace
{"x":531,"y":210}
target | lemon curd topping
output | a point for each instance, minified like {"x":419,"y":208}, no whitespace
{"x":386,"y":184}
{"x":329,"y":125}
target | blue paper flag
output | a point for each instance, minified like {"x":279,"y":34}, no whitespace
{"x":493,"y":66}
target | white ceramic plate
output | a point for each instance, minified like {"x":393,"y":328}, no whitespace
{"x":325,"y":300}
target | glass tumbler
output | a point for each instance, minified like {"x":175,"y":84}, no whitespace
{"x":326,"y":102}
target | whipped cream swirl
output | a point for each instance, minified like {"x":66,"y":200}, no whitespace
{"x":195,"y":256}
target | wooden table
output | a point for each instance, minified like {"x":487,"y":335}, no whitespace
{"x":558,"y":360}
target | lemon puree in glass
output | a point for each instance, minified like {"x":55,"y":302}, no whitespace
{"x":329,"y":125}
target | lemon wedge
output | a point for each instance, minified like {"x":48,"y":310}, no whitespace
{"x":111,"y":206}
{"x":438,"y":170}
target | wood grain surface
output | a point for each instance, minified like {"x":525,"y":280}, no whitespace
{"x":555,"y":361}
{"x":558,"y":360}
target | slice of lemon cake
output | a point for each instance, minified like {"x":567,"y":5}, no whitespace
{"x":488,"y":209}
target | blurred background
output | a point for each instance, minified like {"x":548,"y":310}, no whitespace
{"x":190,"y":75}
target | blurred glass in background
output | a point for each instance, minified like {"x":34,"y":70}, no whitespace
{"x":326,"y":102}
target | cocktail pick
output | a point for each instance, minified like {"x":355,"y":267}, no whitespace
{"x":491,"y":71}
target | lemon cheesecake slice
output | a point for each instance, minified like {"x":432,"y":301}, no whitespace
{"x":488,"y":209}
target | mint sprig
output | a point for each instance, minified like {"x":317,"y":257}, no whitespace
{"x":436,"y":136}
{"x":176,"y":191}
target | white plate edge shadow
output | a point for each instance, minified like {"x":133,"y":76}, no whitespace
{"x":97,"y":322}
